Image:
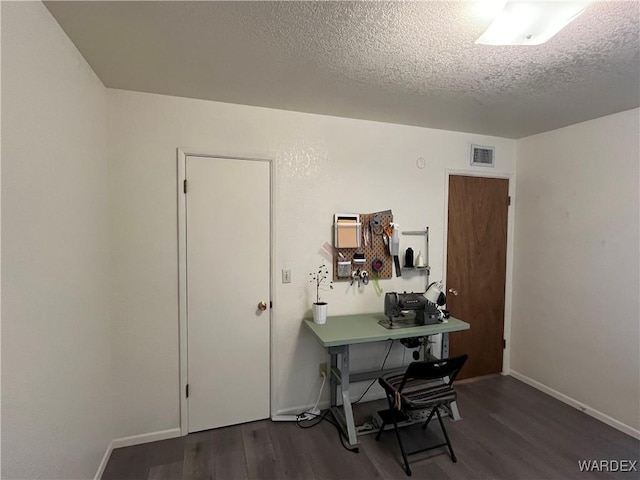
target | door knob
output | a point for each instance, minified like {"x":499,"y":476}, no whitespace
{"x":262,"y":306}
{"x":453,"y":292}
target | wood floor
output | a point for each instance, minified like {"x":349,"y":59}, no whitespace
{"x":508,"y":431}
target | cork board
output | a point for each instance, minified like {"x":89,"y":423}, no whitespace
{"x":376,"y":249}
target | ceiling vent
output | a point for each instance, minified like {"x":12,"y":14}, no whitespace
{"x":482,"y":156}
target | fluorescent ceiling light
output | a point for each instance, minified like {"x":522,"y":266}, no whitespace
{"x":531,"y":22}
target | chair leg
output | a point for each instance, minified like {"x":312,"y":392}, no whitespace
{"x":384,"y":422}
{"x":381,"y":430}
{"x":429,"y":418}
{"x":392,"y":406}
{"x":446,"y":437}
{"x":404,"y":455}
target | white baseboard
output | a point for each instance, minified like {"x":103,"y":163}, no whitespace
{"x":134,"y":440}
{"x":146,"y":438}
{"x":103,"y":463}
{"x":369,"y":397}
{"x":298,"y":410}
{"x":598,"y":415}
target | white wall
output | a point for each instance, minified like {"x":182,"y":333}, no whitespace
{"x":575,"y":318}
{"x":580,"y":182}
{"x":323,"y":165}
{"x":57,"y":416}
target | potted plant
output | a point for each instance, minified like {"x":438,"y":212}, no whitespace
{"x":322,"y":282}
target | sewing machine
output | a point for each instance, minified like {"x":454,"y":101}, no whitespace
{"x":409,"y":310}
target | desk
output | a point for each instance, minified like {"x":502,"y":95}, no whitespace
{"x":340,"y":332}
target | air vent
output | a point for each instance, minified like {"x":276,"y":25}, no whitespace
{"x":482,"y":156}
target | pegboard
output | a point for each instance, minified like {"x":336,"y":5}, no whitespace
{"x":376,"y":249}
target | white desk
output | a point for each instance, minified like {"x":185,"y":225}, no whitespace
{"x":340,"y":332}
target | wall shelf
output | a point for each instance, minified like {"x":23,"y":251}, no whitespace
{"x":426,"y":269}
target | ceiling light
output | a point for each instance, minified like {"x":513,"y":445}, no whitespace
{"x":531,"y":22}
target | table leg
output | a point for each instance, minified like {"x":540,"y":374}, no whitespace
{"x":452,"y":408}
{"x":333,"y":383}
{"x":346,"y":399}
{"x":444,"y":348}
{"x":344,"y":415}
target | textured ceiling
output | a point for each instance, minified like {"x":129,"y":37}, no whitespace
{"x":413,"y":63}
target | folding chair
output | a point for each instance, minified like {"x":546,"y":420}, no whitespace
{"x":423,"y":386}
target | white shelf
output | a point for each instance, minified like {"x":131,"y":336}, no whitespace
{"x":426,"y":269}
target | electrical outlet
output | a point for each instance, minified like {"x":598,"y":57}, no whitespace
{"x":322,"y":369}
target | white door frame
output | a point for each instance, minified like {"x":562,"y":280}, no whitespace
{"x":510,"y":230}
{"x":183,"y":153}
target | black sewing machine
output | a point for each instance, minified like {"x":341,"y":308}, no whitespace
{"x":409,"y":310}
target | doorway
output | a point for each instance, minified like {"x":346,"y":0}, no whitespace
{"x":476,"y":269}
{"x":224,"y":217}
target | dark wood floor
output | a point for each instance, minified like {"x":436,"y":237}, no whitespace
{"x":508,"y":431}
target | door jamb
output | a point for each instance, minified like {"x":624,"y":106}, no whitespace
{"x":508,"y":291}
{"x":182,"y":154}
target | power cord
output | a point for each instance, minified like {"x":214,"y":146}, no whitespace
{"x":374,"y":380}
{"x":314,"y":411}
{"x":324,"y":379}
{"x":332,"y":421}
{"x":315,"y":415}
{"x":303,"y":420}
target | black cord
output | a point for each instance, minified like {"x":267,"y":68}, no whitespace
{"x":320,"y":418}
{"x":334,"y":422}
{"x":374,"y":380}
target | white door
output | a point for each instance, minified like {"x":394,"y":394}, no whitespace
{"x":228,"y":271}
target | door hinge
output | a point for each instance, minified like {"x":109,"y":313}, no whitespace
{"x":184,"y":186}
{"x":509,"y":200}
{"x":187,"y":390}
{"x":504,"y":343}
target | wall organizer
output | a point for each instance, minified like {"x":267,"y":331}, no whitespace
{"x":368,"y":242}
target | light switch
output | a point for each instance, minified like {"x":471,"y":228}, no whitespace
{"x":286,"y":276}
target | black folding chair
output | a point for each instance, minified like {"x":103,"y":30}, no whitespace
{"x":423,"y":386}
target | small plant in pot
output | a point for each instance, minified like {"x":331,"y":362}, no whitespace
{"x":322,"y":282}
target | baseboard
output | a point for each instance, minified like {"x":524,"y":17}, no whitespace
{"x":298,"y":410}
{"x":134,"y":440}
{"x":105,"y":460}
{"x":146,"y":438}
{"x":598,"y":415}
{"x":369,"y":397}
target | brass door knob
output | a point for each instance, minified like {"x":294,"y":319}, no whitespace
{"x":453,"y":292}
{"x":262,"y":306}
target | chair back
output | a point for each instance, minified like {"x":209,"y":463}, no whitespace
{"x":446,"y":369}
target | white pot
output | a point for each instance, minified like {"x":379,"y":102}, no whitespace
{"x":320,"y":312}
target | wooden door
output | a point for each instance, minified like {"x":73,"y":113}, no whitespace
{"x":228,"y":275}
{"x":476,"y":269}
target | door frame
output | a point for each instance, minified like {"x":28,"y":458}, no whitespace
{"x":182,"y":154}
{"x":508,"y":291}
